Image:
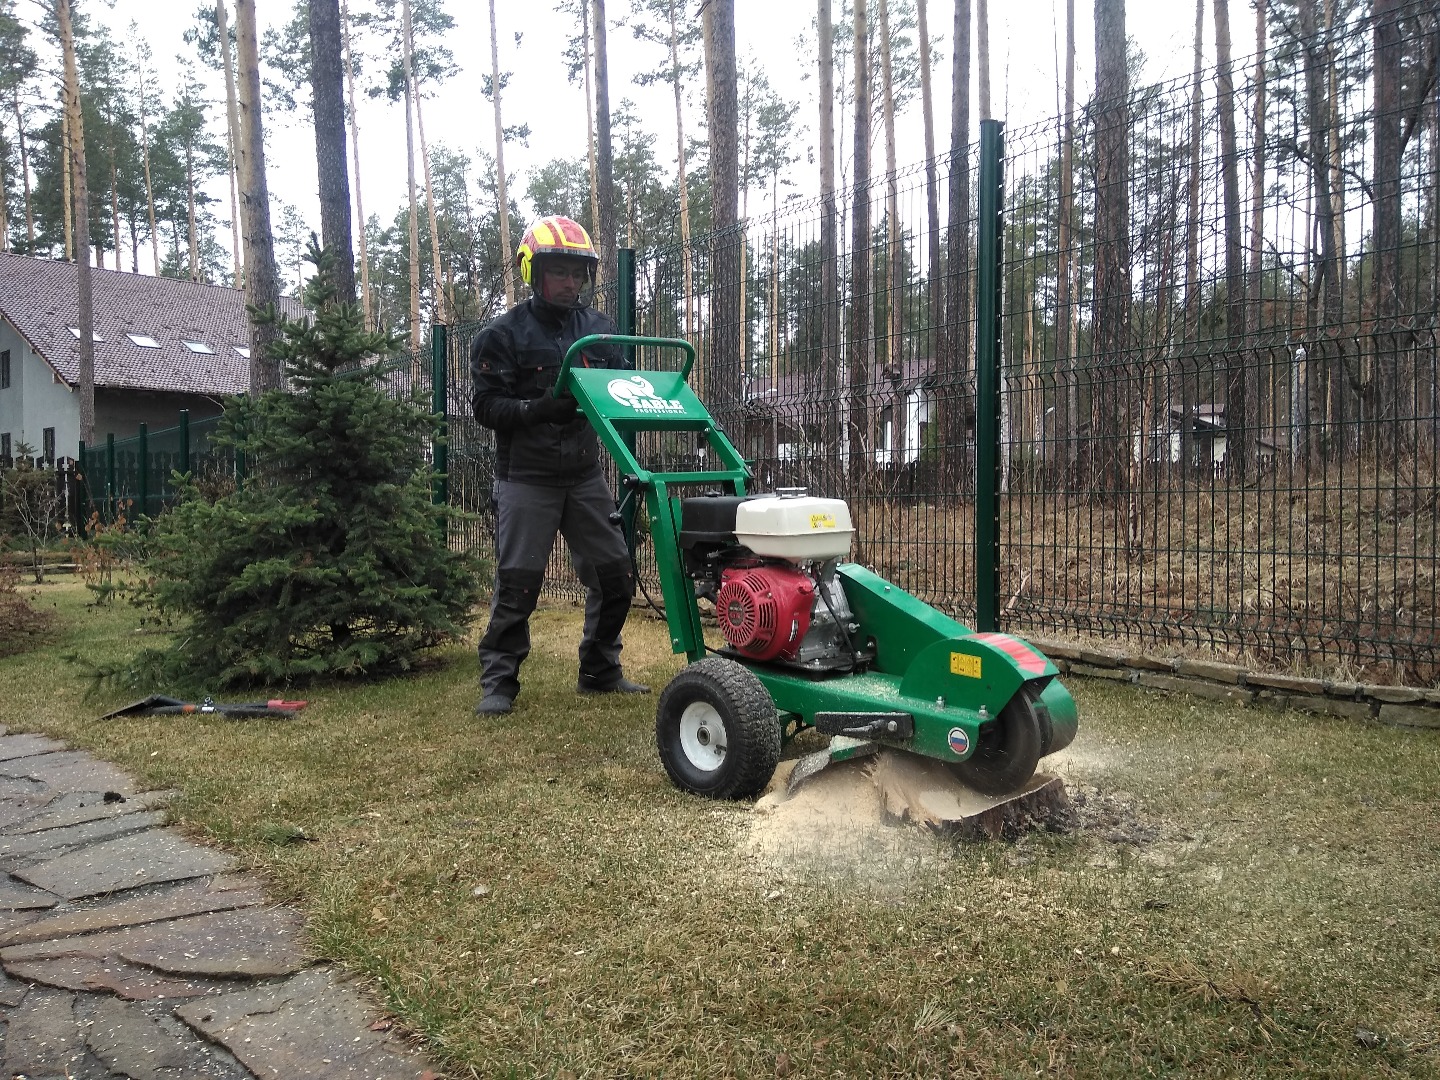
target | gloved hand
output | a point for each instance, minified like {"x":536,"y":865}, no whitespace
{"x":552,"y":410}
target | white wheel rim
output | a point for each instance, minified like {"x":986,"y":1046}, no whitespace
{"x":703,"y":738}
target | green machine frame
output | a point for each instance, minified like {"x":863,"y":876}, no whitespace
{"x":950,"y":680}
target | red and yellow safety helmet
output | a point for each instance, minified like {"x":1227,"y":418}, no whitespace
{"x":554,"y":235}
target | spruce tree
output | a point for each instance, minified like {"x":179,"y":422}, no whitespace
{"x":329,"y":559}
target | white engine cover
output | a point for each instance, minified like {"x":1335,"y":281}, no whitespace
{"x":795,"y":527}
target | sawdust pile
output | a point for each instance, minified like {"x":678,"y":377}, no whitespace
{"x":848,"y":818}
{"x":834,"y":825}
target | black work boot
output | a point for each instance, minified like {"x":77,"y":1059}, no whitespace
{"x":622,"y":685}
{"x":494,"y":705}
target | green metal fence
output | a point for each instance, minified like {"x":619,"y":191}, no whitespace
{"x":124,"y":479}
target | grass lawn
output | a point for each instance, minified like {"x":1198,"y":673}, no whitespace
{"x":1254,"y":893}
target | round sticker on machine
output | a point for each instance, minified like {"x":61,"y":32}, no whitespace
{"x":959,"y":741}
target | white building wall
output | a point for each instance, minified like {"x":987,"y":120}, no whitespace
{"x":35,"y":401}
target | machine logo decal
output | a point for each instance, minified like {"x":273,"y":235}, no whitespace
{"x":968,"y":666}
{"x":822,"y":521}
{"x":959,"y":741}
{"x":1026,"y":658}
{"x":639,"y":393}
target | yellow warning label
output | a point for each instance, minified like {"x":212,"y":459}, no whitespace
{"x":822,"y":521}
{"x":969,"y":666}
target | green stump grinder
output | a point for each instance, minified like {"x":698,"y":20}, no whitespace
{"x":810,"y":640}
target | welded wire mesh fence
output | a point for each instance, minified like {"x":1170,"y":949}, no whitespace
{"x":1219,"y":408}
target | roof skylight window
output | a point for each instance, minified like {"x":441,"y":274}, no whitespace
{"x":145,"y":341}
{"x":198,"y":346}
{"x":243,"y":350}
{"x":75,"y":332}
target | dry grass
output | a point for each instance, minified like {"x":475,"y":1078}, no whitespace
{"x":1253,"y":895}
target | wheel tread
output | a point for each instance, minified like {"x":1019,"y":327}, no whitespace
{"x":752,"y":727}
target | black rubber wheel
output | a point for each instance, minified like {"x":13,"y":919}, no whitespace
{"x":717,"y":730}
{"x":1008,"y":748}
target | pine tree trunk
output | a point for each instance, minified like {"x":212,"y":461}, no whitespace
{"x":604,"y":159}
{"x":1389,"y":54}
{"x":1257,"y":207}
{"x":982,"y":57}
{"x":4,"y":209}
{"x":232,"y":140}
{"x":828,"y":406}
{"x":192,"y":233}
{"x":355,"y":151}
{"x":1326,"y":360}
{"x":442,"y":313}
{"x":1068,"y":265}
{"x":726,"y":322}
{"x":502,"y":199}
{"x":24,"y":170}
{"x":115,"y":205}
{"x":1192,"y":245}
{"x":1112,"y":406}
{"x":262,"y":279}
{"x":68,"y":182}
{"x":685,"y":257}
{"x":1238,"y":400}
{"x":143,"y":98}
{"x":953,"y":391}
{"x":893,"y":363}
{"x":75,"y":129}
{"x":589,"y":115}
{"x":862,"y":295}
{"x":327,"y":80}
{"x":932,"y":184}
{"x":410,"y":181}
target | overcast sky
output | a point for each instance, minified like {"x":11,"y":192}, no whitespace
{"x":1027,"y":38}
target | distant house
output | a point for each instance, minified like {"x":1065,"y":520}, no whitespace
{"x":1207,"y":431}
{"x":782,"y":415}
{"x":161,"y":345}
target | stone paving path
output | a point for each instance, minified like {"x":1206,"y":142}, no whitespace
{"x":128,"y":951}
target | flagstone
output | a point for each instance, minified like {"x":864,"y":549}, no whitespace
{"x":17,"y":845}
{"x":125,"y":862}
{"x":160,"y":903}
{"x":308,"y":1025}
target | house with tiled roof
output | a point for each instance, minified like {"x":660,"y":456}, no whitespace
{"x":161,"y":345}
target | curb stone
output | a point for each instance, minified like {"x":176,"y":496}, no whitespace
{"x":1393,"y":706}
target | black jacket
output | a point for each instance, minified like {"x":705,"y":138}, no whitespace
{"x":515,"y":359}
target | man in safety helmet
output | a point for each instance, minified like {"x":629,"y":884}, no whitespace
{"x":548,"y":477}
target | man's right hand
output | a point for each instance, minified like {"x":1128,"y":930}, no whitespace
{"x":552,"y":410}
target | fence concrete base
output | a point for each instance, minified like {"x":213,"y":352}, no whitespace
{"x":1396,"y":706}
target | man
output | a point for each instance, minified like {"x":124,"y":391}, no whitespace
{"x":548,"y":478}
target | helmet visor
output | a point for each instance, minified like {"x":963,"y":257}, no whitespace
{"x":565,"y":281}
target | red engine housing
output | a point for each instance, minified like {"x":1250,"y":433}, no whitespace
{"x":764,"y":611}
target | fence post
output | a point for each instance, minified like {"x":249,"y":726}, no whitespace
{"x":440,"y":405}
{"x":987,"y":361}
{"x":82,"y":516}
{"x":112,"y":499}
{"x":626,"y":321}
{"x":185,"y":441}
{"x":144,"y":470}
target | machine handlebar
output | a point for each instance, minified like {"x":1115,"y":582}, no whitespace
{"x":623,"y":339}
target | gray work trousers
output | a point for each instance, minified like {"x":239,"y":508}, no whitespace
{"x":528,"y":517}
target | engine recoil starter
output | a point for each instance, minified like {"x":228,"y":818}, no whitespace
{"x":764,"y":611}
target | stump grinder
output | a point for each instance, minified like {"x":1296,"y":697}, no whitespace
{"x":809,"y":639}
